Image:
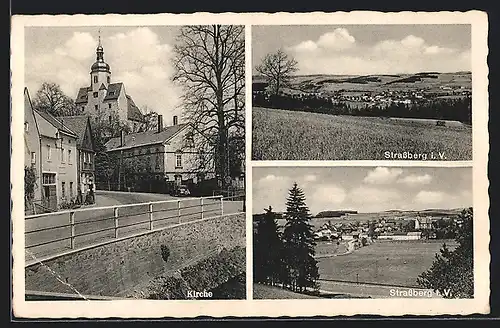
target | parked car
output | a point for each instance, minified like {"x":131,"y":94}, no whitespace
{"x":181,"y":190}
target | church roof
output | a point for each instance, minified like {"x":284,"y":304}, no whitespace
{"x":82,"y":96}
{"x":133,"y":112}
{"x":145,"y":138}
{"x":114,"y":90}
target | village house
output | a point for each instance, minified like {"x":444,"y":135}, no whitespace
{"x":32,"y":147}
{"x":165,"y":154}
{"x":57,"y":153}
{"x":103,"y":100}
{"x":85,"y":153}
{"x":423,"y":223}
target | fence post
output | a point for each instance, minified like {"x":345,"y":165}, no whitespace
{"x":72,"y":226}
{"x":179,"y":210}
{"x":201,"y":203}
{"x":150,"y":216}
{"x":221,"y":205}
{"x":115,"y":214}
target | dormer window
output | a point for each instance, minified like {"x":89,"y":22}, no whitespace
{"x":111,"y":93}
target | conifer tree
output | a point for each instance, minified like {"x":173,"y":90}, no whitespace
{"x":298,"y":243}
{"x":268,"y":247}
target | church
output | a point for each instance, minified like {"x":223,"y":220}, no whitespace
{"x":103,"y":100}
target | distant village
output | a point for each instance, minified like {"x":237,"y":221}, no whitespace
{"x":398,"y":228}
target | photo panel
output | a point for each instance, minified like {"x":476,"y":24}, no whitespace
{"x":363,"y":232}
{"x":362,"y":92}
{"x":134,"y":162}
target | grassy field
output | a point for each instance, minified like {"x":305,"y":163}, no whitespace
{"x":294,"y":135}
{"x":385,"y":262}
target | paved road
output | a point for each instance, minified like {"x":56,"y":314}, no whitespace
{"x":373,"y":291}
{"x":97,"y":225}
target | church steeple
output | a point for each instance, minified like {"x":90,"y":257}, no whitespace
{"x":100,"y":73}
{"x":100,"y":50}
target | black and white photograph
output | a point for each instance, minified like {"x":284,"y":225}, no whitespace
{"x":362,"y":232}
{"x":134,"y":162}
{"x":362,"y":92}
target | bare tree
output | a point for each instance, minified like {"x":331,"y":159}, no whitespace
{"x":277,"y":68}
{"x":51,"y":99}
{"x":210,"y":67}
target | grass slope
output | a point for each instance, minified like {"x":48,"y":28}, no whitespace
{"x":294,"y":135}
{"x":385,"y":262}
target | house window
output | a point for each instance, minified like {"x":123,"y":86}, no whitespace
{"x":95,"y":78}
{"x":63,"y":189}
{"x":48,"y":178}
{"x":109,"y":79}
{"x":69,"y":157}
{"x":49,"y":153}
{"x":178,"y":160}
{"x":109,"y":118}
{"x":62,"y":155}
{"x":71,"y":189}
{"x":96,"y":94}
{"x":96,"y":108}
{"x":111,"y":93}
{"x":109,"y":105}
{"x":33,"y":157}
{"x":26,"y":126}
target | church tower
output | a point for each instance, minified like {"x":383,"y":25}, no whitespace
{"x":100,"y":74}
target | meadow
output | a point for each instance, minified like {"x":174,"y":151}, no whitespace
{"x":294,"y":135}
{"x":397,"y":263}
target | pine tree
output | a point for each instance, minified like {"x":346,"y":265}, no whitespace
{"x":268,"y":247}
{"x":298,"y":240}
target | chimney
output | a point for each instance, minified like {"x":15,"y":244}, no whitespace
{"x":160,"y":123}
{"x":175,"y":119}
{"x":122,"y":138}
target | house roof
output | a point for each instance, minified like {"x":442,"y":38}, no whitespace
{"x":29,"y":107}
{"x":77,"y":124}
{"x":56,"y":123}
{"x":145,"y":138}
{"x":133,"y":112}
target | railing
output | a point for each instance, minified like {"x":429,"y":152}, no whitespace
{"x":50,"y":233}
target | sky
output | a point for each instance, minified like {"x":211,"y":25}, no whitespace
{"x":365,"y":189}
{"x":367,"y":49}
{"x":140,"y":57}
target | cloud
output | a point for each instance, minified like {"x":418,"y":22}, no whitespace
{"x":338,"y":39}
{"x":414,"y":179}
{"x":337,"y":52}
{"x":382,"y":175}
{"x":310,"y":178}
{"x":136,"y":57}
{"x":326,"y":197}
{"x":430,"y":197}
{"x":371,"y":195}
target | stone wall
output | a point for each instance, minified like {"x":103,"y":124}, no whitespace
{"x":122,"y":267}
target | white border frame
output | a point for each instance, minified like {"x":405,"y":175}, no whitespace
{"x":249,"y":307}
